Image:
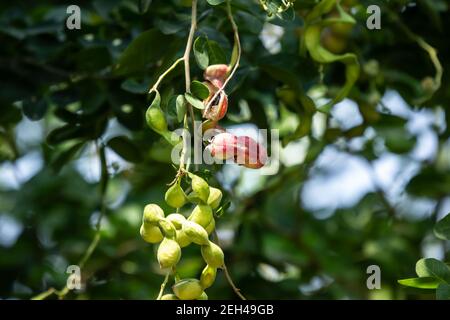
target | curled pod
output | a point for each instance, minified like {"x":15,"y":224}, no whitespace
{"x":175,"y":196}
{"x":169,"y":253}
{"x":151,"y":234}
{"x":223,"y":146}
{"x":176,"y":219}
{"x":152,"y":214}
{"x":203,"y":296}
{"x":215,"y":196}
{"x":213,"y":255}
{"x":155,"y":117}
{"x":250,"y":154}
{"x":200,"y":187}
{"x":169,"y":297}
{"x":195,"y":232}
{"x":167,"y":228}
{"x":188,"y":289}
{"x":211,"y":226}
{"x":182,"y":239}
{"x":202,"y":214}
{"x":208,"y":276}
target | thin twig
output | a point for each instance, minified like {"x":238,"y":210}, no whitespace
{"x":163,"y":286}
{"x":227,"y":274}
{"x":236,"y":66}
{"x":162,"y":76}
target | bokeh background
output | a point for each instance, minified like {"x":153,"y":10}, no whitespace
{"x":363,"y":185}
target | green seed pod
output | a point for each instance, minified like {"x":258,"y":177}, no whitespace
{"x":169,"y":297}
{"x":203,"y":296}
{"x":152,"y":214}
{"x":213,"y":255}
{"x":188,"y":289}
{"x":167,"y":228}
{"x":169,"y":253}
{"x":182,"y":239}
{"x":202,"y":214}
{"x":195,"y":232}
{"x":155,"y":116}
{"x":215,"y":196}
{"x":176,"y":219}
{"x":211,"y":226}
{"x":208,"y":276}
{"x":175,"y":196}
{"x":200,"y":187}
{"x":193,"y":198}
{"x":151,"y":234}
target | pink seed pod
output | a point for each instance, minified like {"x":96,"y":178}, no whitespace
{"x":216,"y":74}
{"x":223,"y":146}
{"x":250,"y":154}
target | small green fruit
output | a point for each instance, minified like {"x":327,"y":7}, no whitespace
{"x":188,"y":289}
{"x":169,"y":297}
{"x":182,"y":239}
{"x":213,"y":255}
{"x":175,"y":196}
{"x":169,"y":253}
{"x":200,"y":187}
{"x":151,"y":234}
{"x":155,"y":119}
{"x":176,"y":219}
{"x":203,"y":296}
{"x":211,"y":226}
{"x":167,"y":228}
{"x":152,"y":214}
{"x":202,"y":214}
{"x":208,"y":276}
{"x":195,"y":232}
{"x":215,"y":196}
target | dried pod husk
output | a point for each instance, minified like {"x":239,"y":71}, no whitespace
{"x":216,"y":74}
{"x":175,"y":196}
{"x":182,"y":239}
{"x":218,"y":108}
{"x":211,"y":226}
{"x":195,"y":232}
{"x":167,"y":228}
{"x":208,"y":276}
{"x":215,"y":196}
{"x":176,"y":219}
{"x":202,"y":214}
{"x":213,"y":255}
{"x":152,"y":214}
{"x":188,"y":289}
{"x":169,"y":296}
{"x":200,"y":187}
{"x":169,"y":253}
{"x":151,"y":234}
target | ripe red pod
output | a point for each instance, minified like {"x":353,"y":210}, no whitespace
{"x":223,"y":146}
{"x":250,"y":154}
{"x":244,"y":150}
{"x":216,"y":74}
{"x":218,"y":107}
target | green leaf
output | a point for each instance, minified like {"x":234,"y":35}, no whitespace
{"x":433,"y":268}
{"x":421,"y":283}
{"x":145,"y":49}
{"x":442,"y":228}
{"x":443,"y":292}
{"x":215,"y":2}
{"x":194,"y":101}
{"x":64,"y":133}
{"x":199,"y":90}
{"x":181,"y":107}
{"x":34,"y":109}
{"x":125,"y":148}
{"x":201,"y":52}
{"x":65,"y":156}
{"x":144,"y":5}
{"x":216,"y":53}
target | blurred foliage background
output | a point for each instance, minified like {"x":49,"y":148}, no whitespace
{"x":362,"y":185}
